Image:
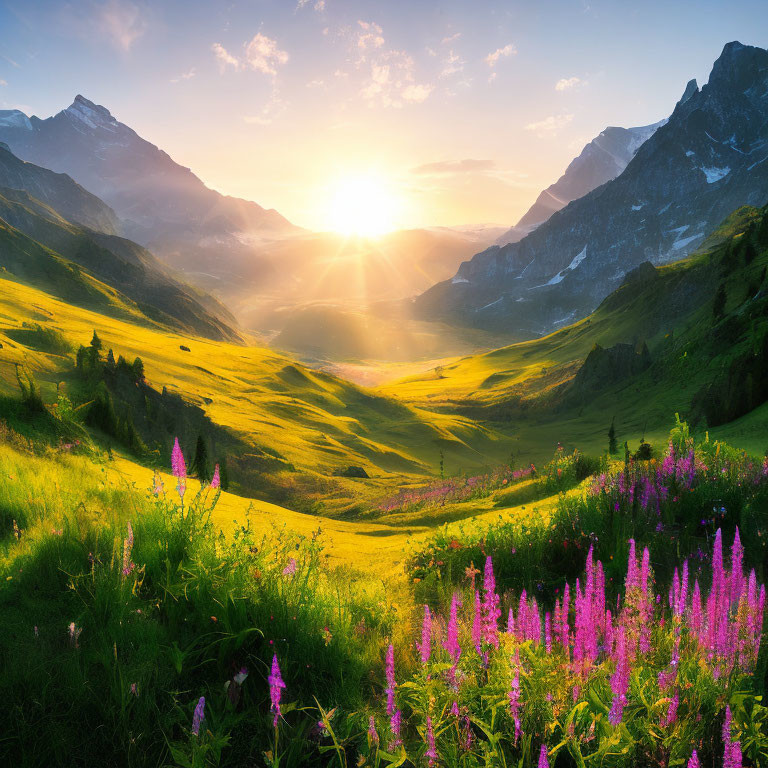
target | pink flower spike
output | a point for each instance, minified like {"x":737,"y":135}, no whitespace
{"x":216,"y":480}
{"x":425,"y":648}
{"x":179,"y":467}
{"x":694,"y":761}
{"x":543,"y":759}
{"x":276,"y":685}
{"x":198,"y":716}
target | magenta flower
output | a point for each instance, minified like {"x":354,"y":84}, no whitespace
{"x":395,"y":725}
{"x":198,"y":716}
{"x":276,"y":685}
{"x":477,"y":632}
{"x":490,"y":606}
{"x":179,"y":468}
{"x":431,"y":753}
{"x":671,"y":715}
{"x":694,"y":761}
{"x":619,"y":680}
{"x":390,"y":672}
{"x":216,"y":479}
{"x":543,"y":759}
{"x":290,"y":569}
{"x":373,"y":736}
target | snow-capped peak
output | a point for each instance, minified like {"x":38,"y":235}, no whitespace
{"x":14,"y":118}
{"x":92,"y":115}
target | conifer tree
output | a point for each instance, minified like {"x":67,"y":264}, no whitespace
{"x":200,"y":464}
{"x":613,"y":446}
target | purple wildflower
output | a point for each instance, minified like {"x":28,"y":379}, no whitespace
{"x":275,"y":685}
{"x":199,"y":716}
{"x":179,"y":468}
{"x":490,"y":606}
{"x":128,"y":566}
{"x":290,"y":569}
{"x":390,"y":672}
{"x":543,"y":760}
{"x":216,"y":479}
{"x":694,"y":761}
{"x":373,"y":736}
{"x":431,"y":753}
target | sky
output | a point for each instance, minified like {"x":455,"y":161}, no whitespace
{"x":460,"y":112}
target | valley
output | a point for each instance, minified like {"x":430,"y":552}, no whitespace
{"x":394,"y":494}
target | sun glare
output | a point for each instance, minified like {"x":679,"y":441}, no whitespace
{"x":362,"y":205}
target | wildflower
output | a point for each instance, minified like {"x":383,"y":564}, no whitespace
{"x":694,"y":761}
{"x":451,"y":643}
{"x":395,"y":725}
{"x":490,"y":605}
{"x":241,"y":676}
{"x":290,"y":569}
{"x":179,"y":468}
{"x":543,"y":760}
{"x":128,"y":565}
{"x":199,"y":715}
{"x":619,"y":680}
{"x":671,"y":715}
{"x":373,"y":736}
{"x":327,"y":636}
{"x":477,"y":636}
{"x":390,"y":672}
{"x":275,"y":685}
{"x":157,"y":484}
{"x":425,"y":648}
{"x":514,"y":696}
{"x":216,"y":479}
{"x":431,"y":753}
{"x":135,"y":689}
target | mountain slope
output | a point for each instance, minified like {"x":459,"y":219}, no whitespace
{"x":706,"y":161}
{"x":688,"y":337}
{"x":602,"y":160}
{"x":160,"y":201}
{"x":59,"y":191}
{"x":46,"y":235}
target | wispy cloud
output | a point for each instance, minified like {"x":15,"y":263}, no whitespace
{"x":492,"y":59}
{"x":224,"y":57}
{"x":549,"y":126}
{"x":318,"y":5}
{"x":453,"y":64}
{"x":261,"y":54}
{"x":184,"y":76}
{"x":565,"y":84}
{"x":450,"y":38}
{"x":372,"y":36}
{"x":454,"y":167}
{"x":3,"y":82}
{"x":389,"y":75}
{"x":120,"y":21}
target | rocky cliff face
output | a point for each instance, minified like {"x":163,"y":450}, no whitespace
{"x":603,"y":159}
{"x":708,"y":159}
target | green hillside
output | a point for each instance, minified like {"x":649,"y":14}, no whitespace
{"x":656,"y":346}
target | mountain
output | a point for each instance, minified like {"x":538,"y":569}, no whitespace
{"x":59,"y":191}
{"x":42,"y":246}
{"x":163,"y":205}
{"x":688,"y":337}
{"x":603,"y":159}
{"x":708,"y":159}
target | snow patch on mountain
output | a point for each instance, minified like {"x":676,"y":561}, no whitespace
{"x":715,"y":174}
{"x":13,"y":118}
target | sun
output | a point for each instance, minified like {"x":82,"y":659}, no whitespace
{"x":362,"y":205}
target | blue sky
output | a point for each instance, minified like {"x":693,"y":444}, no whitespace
{"x":464,"y":110}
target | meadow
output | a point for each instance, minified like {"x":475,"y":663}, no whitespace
{"x":174,"y":624}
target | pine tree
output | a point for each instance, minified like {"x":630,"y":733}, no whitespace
{"x":96,"y":342}
{"x":223,"y":474}
{"x":111,"y":360}
{"x":613,"y":446}
{"x":200,"y":464}
{"x":138,"y":369}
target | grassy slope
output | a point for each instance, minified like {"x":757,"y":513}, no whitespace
{"x":315,"y":421}
{"x":672,"y":314}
